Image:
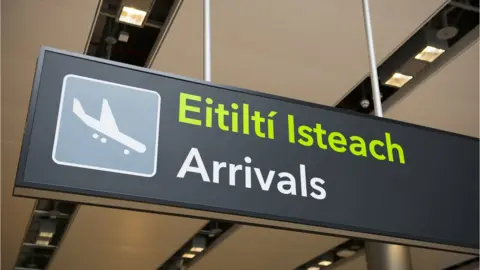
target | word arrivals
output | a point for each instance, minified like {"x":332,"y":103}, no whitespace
{"x":286,"y":183}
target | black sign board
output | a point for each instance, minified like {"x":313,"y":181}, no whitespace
{"x":106,"y":129}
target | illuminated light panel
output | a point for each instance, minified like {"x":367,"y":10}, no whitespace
{"x":133,"y":16}
{"x":196,"y":249}
{"x":188,"y":255}
{"x":345,"y":253}
{"x":42,"y":242}
{"x":429,"y":54}
{"x":324,"y":263}
{"x":46,"y":234}
{"x":313,"y":268}
{"x":398,"y":80}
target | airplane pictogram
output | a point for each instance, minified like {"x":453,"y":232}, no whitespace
{"x":107,"y":126}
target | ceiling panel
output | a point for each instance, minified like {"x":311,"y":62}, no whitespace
{"x":26,"y":25}
{"x":255,"y":248}
{"x":422,"y":259}
{"x":102,"y":238}
{"x":427,"y":259}
{"x":315,"y":51}
{"x":448,"y":99}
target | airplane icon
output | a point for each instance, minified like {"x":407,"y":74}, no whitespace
{"x":107,"y":126}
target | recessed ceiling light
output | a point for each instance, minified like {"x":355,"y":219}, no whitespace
{"x":429,"y":54}
{"x":46,"y":234}
{"x":398,"y":80}
{"x":324,"y":263}
{"x":196,"y":249}
{"x":313,"y":268}
{"x":42,"y":242}
{"x":47,"y":229}
{"x":131,"y":15}
{"x":188,"y":255}
{"x":199,"y":243}
{"x":345,"y":253}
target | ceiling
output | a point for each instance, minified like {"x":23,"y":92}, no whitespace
{"x":315,"y":51}
{"x":423,"y":259}
{"x":448,"y":99}
{"x":133,"y":239}
{"x":250,"y":247}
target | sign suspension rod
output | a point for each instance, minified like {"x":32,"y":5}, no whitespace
{"x":207,"y":50}
{"x":381,"y":256}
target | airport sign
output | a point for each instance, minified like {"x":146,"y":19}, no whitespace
{"x":106,"y":130}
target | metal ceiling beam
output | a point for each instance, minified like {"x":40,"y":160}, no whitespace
{"x":465,"y":6}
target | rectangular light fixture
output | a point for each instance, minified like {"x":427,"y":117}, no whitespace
{"x":324,"y":263}
{"x":423,"y":48}
{"x":188,"y":255}
{"x":199,"y":243}
{"x":196,"y":249}
{"x":46,"y":230}
{"x":345,"y":253}
{"x":429,"y":54}
{"x":42,"y":242}
{"x":46,"y":234}
{"x":313,"y":268}
{"x":398,"y":80}
{"x":133,"y":16}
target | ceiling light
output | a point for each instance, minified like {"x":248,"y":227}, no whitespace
{"x":46,"y":234}
{"x":198,"y":244}
{"x":313,"y":268}
{"x":196,"y":249}
{"x":131,"y":15}
{"x":324,"y":263}
{"x":398,"y":80}
{"x":412,"y":57}
{"x":188,"y":255}
{"x":47,"y":229}
{"x":429,"y":54}
{"x":42,"y":242}
{"x":345,"y":253}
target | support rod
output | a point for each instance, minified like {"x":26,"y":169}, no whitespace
{"x":381,"y":256}
{"x":465,"y":6}
{"x":207,"y":50}
{"x":377,"y":100}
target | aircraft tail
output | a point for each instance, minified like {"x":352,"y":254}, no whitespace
{"x":106,"y":117}
{"x":77,"y":108}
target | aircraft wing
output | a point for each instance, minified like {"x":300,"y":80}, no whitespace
{"x":107,"y":120}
